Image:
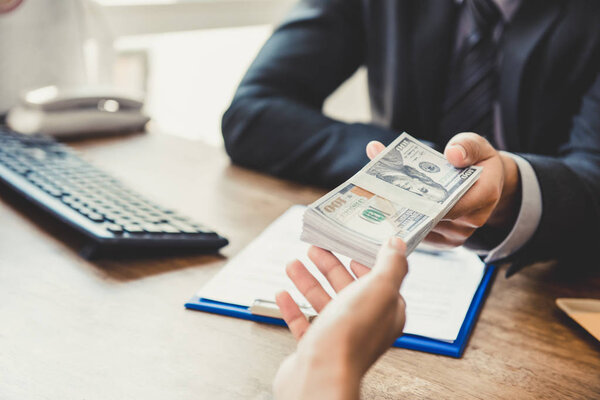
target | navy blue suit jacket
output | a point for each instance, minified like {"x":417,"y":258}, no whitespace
{"x":549,"y":94}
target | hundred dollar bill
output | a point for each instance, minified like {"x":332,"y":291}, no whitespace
{"x":405,"y":191}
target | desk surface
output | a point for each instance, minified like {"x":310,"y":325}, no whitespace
{"x":73,"y":329}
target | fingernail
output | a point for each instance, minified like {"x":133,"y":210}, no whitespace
{"x":289,"y":265}
{"x":461,"y":149}
{"x":396,"y":244}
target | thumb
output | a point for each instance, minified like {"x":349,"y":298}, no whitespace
{"x":468,"y":148}
{"x":374,"y":148}
{"x":391,"y":261}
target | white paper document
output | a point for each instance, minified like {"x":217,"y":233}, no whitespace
{"x":438,"y":289}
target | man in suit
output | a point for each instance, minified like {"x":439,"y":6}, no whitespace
{"x":524,"y":76}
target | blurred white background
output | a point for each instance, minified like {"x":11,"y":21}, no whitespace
{"x":190,"y":55}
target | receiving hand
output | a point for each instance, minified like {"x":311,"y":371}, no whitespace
{"x":351,"y":331}
{"x":492,"y":200}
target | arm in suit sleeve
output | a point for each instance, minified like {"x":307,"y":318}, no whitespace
{"x":569,"y":227}
{"x":275,"y":123}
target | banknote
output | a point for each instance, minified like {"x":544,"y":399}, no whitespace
{"x":369,"y":216}
{"x":415,"y":175}
{"x":403,"y":192}
{"x":419,"y":169}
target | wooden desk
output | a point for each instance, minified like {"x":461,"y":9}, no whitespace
{"x":74,"y":329}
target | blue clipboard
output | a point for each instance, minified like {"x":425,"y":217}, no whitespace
{"x":413,"y":342}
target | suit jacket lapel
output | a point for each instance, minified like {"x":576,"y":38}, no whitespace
{"x":530,"y":23}
{"x":435,"y":26}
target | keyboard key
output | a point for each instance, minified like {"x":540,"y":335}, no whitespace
{"x":183,"y":227}
{"x":151,"y":228}
{"x":166,"y":228}
{"x":114,"y":228}
{"x":95,"y":217}
{"x":133,"y":228}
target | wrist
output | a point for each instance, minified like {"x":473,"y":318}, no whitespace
{"x":332,"y":371}
{"x":316,"y":371}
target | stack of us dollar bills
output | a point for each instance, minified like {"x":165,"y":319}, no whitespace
{"x":405,"y":191}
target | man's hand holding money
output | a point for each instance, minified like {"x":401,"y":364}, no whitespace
{"x":493,"y":200}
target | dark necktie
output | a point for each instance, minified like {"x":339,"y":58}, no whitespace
{"x":473,"y":80}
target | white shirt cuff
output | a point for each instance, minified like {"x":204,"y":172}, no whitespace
{"x":529,"y":214}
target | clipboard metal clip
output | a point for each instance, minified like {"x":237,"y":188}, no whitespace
{"x":268,"y":308}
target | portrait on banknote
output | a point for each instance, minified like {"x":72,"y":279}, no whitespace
{"x":392,"y":169}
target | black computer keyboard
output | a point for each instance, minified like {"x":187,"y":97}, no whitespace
{"x":114,"y":218}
